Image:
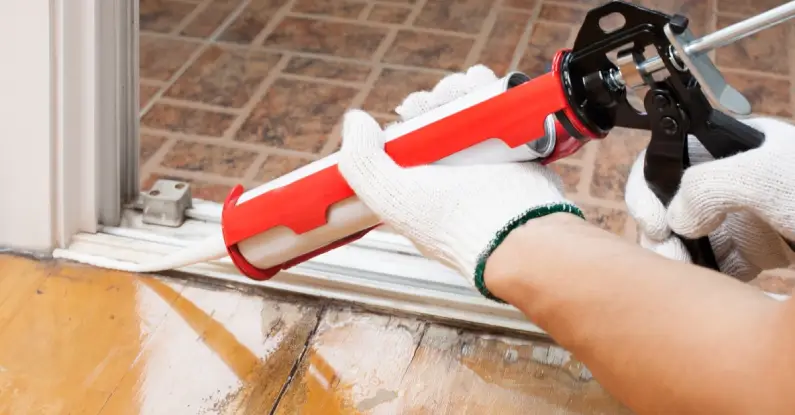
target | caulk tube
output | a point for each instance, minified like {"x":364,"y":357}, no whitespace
{"x":531,"y":134}
{"x":312,"y":209}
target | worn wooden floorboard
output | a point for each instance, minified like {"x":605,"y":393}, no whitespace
{"x":82,"y":340}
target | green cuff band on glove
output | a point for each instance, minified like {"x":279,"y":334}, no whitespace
{"x":507,"y":229}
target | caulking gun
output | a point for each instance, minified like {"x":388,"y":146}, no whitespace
{"x":585,"y":95}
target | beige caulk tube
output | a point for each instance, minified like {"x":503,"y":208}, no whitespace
{"x":279,"y":245}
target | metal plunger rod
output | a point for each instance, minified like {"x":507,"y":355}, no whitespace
{"x":728,"y":34}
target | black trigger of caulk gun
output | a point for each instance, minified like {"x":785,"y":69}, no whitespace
{"x":676,"y":105}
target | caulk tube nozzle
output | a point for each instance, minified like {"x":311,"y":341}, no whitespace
{"x":208,"y":249}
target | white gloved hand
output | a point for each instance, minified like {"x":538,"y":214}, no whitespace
{"x":744,"y":203}
{"x":455,"y":214}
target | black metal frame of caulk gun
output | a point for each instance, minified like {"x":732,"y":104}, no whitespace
{"x":675,"y":106}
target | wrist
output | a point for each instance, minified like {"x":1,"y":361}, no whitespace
{"x":538,"y":218}
{"x":528,"y":251}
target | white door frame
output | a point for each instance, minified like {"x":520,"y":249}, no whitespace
{"x":69,"y":162}
{"x":69,"y":146}
{"x":70,"y":114}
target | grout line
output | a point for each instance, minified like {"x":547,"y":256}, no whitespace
{"x":630,"y":229}
{"x":242,"y":145}
{"x":256,"y":97}
{"x":591,"y":151}
{"x":151,"y":82}
{"x":391,"y":4}
{"x":252,"y":170}
{"x":524,"y":39}
{"x":198,"y":106}
{"x":195,"y":55}
{"x":312,"y":55}
{"x":382,"y":25}
{"x":358,"y":100}
{"x":712,"y":25}
{"x":752,"y":72}
{"x":157,"y":158}
{"x":335,"y":135}
{"x":273,"y":23}
{"x":200,"y":7}
{"x":483,"y":37}
{"x":415,"y":12}
{"x":385,"y":115}
{"x":366,"y":11}
{"x":327,"y":81}
{"x":201,"y":176}
{"x":273,"y":74}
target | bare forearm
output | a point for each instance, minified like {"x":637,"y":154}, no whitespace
{"x":662,"y":336}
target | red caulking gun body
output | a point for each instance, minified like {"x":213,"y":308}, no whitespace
{"x":313,"y":210}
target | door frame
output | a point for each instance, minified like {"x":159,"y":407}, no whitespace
{"x":80,"y":124}
{"x":72,"y":120}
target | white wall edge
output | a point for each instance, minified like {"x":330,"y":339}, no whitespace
{"x":60,"y":128}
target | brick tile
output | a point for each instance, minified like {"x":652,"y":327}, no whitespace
{"x":503,"y":40}
{"x":251,"y":21}
{"x":338,"y":8}
{"x":339,"y":39}
{"x":393,"y":86}
{"x":387,"y":13}
{"x":615,"y":155}
{"x":767,"y":96}
{"x":204,"y":190}
{"x":562,"y":13}
{"x":161,"y":58}
{"x":521,"y":4}
{"x":187,"y":120}
{"x":457,"y":15}
{"x":320,"y":68}
{"x":149,"y":145}
{"x":697,"y":11}
{"x":545,"y":41}
{"x":162,"y":16}
{"x":429,"y":50}
{"x":747,"y":7}
{"x":611,"y":220}
{"x":277,"y":166}
{"x":570,"y":175}
{"x":224,"y":76}
{"x":209,"y":20}
{"x":208,"y":158}
{"x":763,"y":51}
{"x":146,"y":93}
{"x":296,"y":115}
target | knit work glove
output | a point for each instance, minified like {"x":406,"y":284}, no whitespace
{"x":744,"y":203}
{"x":457,"y":215}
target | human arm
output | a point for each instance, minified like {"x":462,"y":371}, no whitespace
{"x":662,"y":336}
{"x":596,"y":294}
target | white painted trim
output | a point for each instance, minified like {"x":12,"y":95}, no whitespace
{"x":75,"y":138}
{"x":27,"y":219}
{"x":66,"y":90}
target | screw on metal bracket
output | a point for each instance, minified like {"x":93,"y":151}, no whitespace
{"x":166,"y":202}
{"x":679,"y":24}
{"x":669,"y":125}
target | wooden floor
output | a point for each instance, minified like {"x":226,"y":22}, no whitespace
{"x":80,"y":340}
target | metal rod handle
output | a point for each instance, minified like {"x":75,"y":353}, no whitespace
{"x":727,"y":35}
{"x":742,"y":29}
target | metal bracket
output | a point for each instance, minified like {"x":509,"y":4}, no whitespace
{"x":714,"y":86}
{"x":166,"y":202}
